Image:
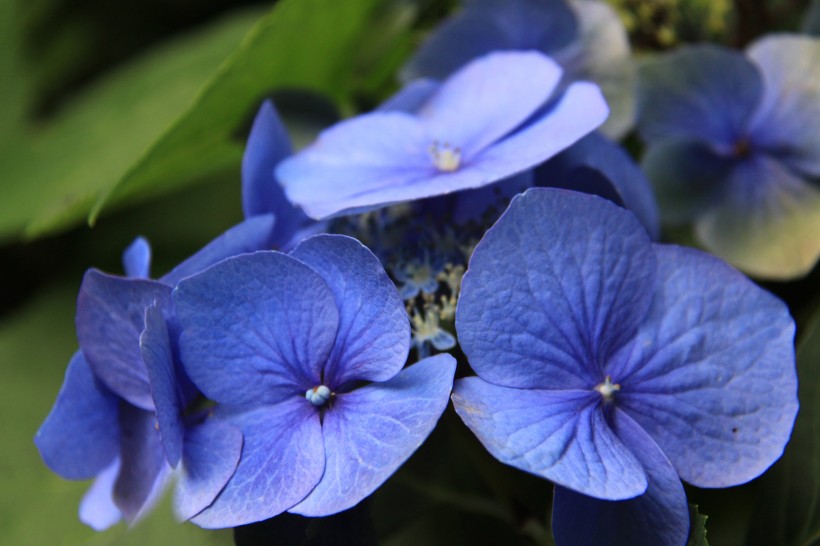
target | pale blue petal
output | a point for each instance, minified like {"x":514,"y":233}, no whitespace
{"x":704,"y":92}
{"x":559,"y":435}
{"x":371,"y":431}
{"x":658,"y":517}
{"x":711,"y":374}
{"x":373,"y":337}
{"x":786,"y":122}
{"x":767,"y":223}
{"x":211,"y":454}
{"x":97,"y":508}
{"x":411,"y":97}
{"x":283,"y":458}
{"x":110,"y":318}
{"x":553,"y":289}
{"x":136,"y":259}
{"x":80,"y":436}
{"x":273,"y":332}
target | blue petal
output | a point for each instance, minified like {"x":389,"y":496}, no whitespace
{"x":659,"y":516}
{"x":282,"y":460}
{"x":484,"y":27}
{"x":711,"y":374}
{"x":144,"y":472}
{"x":251,"y":235}
{"x":689,"y":178}
{"x":767,"y":222}
{"x":80,"y":436}
{"x":137,"y":259}
{"x":559,"y":435}
{"x":411,"y":97}
{"x":623,"y":176}
{"x":110,"y":317}
{"x":473,"y":204}
{"x":373,"y":337}
{"x":553,"y":289}
{"x":371,"y":431}
{"x":786,"y":122}
{"x":97,"y":509}
{"x":271,"y":335}
{"x":212,"y":451}
{"x":155,"y":347}
{"x":706,"y":93}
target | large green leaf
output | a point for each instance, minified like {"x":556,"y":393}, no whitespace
{"x":54,"y":175}
{"x":789,"y":506}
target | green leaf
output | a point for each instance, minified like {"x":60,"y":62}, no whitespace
{"x":14,"y":89}
{"x":697,"y":527}
{"x":788,"y":510}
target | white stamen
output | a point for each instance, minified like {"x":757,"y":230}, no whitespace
{"x":318,"y":395}
{"x":608,"y":388}
{"x":445,"y":157}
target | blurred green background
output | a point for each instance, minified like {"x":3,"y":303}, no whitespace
{"x":131,"y":117}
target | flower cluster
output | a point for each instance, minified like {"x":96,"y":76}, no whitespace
{"x":287,"y":366}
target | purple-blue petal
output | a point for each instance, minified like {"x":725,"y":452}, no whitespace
{"x":283,"y":458}
{"x":136,"y":259}
{"x":705,"y":92}
{"x":474,"y":204}
{"x":369,"y":432}
{"x":144,"y":471}
{"x":711,"y":373}
{"x":411,"y":97}
{"x":271,"y":335}
{"x":659,"y":516}
{"x":553,"y":289}
{"x":211,"y":454}
{"x":97,"y":508}
{"x":155,"y":346}
{"x":373,"y":337}
{"x":110,"y":318}
{"x":80,"y":436}
{"x":786,"y":122}
{"x":253,"y":234}
{"x":560,"y":435}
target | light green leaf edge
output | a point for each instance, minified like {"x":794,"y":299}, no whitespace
{"x":697,"y":527}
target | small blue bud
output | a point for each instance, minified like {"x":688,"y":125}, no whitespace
{"x":318,"y":395}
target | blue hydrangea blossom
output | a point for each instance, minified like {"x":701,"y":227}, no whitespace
{"x":473,"y":130}
{"x":616,"y":367}
{"x":733,"y":148}
{"x":586,"y":37}
{"x":305,"y":356}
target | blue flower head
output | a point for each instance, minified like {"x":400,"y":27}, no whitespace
{"x":585,"y":37}
{"x":734,"y":149}
{"x":305,"y":356}
{"x":616,"y":367}
{"x":473,"y":130}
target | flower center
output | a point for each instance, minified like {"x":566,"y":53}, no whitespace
{"x":446,"y":158}
{"x":608,"y":389}
{"x":319,"y":395}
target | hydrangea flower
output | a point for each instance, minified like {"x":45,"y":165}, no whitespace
{"x":616,"y":367}
{"x":305,"y":356}
{"x":586,"y":37}
{"x":733,"y":148}
{"x":475,"y":129}
{"x":119,"y":416}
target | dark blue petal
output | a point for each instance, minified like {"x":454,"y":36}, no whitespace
{"x":689,"y":178}
{"x":251,"y":235}
{"x":373,"y":337}
{"x":786,"y":121}
{"x":473,"y":204}
{"x":211,"y":454}
{"x":80,"y":436}
{"x":137,"y":259}
{"x":560,"y":435}
{"x":411,"y":97}
{"x":658,"y":517}
{"x":554,"y":288}
{"x":371,"y":431}
{"x":155,"y":347}
{"x":144,"y":471}
{"x":110,"y":317}
{"x":257,"y":328}
{"x":711,"y":374}
{"x":485,"y":26}
{"x":283,"y":458}
{"x":705,"y":92}
{"x":97,"y":509}
{"x":767,"y":222}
